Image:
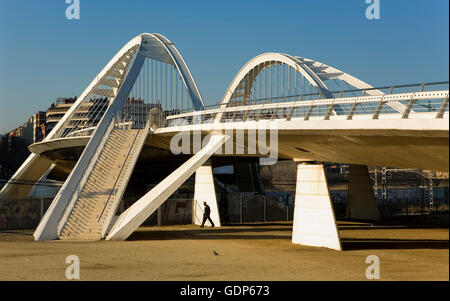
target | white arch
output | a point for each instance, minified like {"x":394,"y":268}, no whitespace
{"x":153,"y":46}
{"x":184,"y":71}
{"x":265,"y":60}
{"x":313,"y":71}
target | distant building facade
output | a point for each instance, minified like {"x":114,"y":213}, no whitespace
{"x":41,"y":123}
{"x":57,"y":111}
{"x":24,"y":132}
{"x":38,"y":121}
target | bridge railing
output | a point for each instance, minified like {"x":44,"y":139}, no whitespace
{"x":134,"y":115}
{"x":401,"y":101}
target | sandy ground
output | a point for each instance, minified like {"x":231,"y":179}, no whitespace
{"x":247,"y":252}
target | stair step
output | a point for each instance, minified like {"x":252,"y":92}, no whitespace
{"x":107,"y":174}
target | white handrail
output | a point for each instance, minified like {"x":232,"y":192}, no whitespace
{"x":427,"y":95}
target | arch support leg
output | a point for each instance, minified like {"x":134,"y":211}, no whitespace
{"x":314,"y":220}
{"x":137,"y":213}
{"x":204,"y":191}
{"x":361,"y":203}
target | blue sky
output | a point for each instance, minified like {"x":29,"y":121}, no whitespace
{"x":43,"y":55}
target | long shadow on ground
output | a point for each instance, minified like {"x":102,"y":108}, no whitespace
{"x":387,"y":243}
{"x":212,"y":233}
{"x":283,"y":232}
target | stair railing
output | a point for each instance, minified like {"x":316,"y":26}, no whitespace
{"x":113,"y":193}
{"x":63,"y":218}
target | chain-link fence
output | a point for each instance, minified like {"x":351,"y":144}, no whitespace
{"x":400,"y":201}
{"x":245,"y":207}
{"x":274,"y":206}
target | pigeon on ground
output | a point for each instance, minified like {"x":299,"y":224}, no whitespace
{"x":215,"y":253}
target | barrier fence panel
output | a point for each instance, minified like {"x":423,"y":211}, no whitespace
{"x":245,"y":207}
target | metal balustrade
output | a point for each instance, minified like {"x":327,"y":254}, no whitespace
{"x":417,"y":98}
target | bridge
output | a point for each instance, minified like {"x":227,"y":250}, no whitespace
{"x":145,"y":102}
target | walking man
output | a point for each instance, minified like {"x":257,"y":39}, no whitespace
{"x":206,"y":216}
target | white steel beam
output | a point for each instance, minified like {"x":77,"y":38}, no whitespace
{"x":134,"y":216}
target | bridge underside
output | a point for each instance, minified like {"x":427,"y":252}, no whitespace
{"x":400,"y":149}
{"x":419,"y":149}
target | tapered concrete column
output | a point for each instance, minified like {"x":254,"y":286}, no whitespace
{"x":314,"y":219}
{"x":361,"y":203}
{"x":204,"y":191}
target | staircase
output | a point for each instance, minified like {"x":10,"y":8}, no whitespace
{"x":105,"y":185}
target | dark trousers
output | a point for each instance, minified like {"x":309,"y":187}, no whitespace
{"x":206,"y":217}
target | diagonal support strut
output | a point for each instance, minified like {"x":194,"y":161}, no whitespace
{"x":134,"y":216}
